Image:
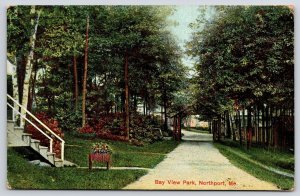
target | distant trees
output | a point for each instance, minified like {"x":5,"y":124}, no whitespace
{"x":245,"y":66}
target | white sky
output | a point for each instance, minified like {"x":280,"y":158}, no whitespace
{"x":184,"y":15}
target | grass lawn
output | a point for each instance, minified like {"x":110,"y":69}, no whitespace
{"x":124,"y":155}
{"x":282,"y":161}
{"x":23,"y":175}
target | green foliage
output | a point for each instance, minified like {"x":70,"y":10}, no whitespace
{"x":69,"y":122}
{"x":144,"y":129}
{"x":19,"y":30}
{"x":140,"y":32}
{"x":244,"y":53}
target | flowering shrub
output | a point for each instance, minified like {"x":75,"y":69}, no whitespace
{"x":86,"y":129}
{"x":53,"y":125}
{"x":106,"y":126}
{"x":112,"y":127}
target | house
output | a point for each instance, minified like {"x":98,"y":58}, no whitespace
{"x":193,"y":121}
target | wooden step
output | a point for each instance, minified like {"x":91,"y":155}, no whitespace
{"x":58,"y":162}
{"x":10,"y":125}
{"x":26,"y":138}
{"x":51,"y":157}
{"x":17,"y":140}
{"x":43,"y":150}
{"x":19,"y":130}
{"x":26,"y":134}
{"x":35,"y":144}
{"x":34,"y":141}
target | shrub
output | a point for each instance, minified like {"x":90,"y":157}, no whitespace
{"x":143,"y":129}
{"x":69,"y":120}
{"x":86,"y":129}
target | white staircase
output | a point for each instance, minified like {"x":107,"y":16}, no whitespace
{"x":16,"y":137}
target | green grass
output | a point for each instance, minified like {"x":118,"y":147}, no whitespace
{"x":22,"y":175}
{"x":277,"y":159}
{"x":280,"y":159}
{"x":197,"y":129}
{"x":124,"y":155}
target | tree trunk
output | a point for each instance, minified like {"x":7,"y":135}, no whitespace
{"x":29,"y":66}
{"x":75,"y":82}
{"x":165,"y":114}
{"x":260,"y":129}
{"x":267,"y":127}
{"x":240,"y":127}
{"x":15,"y":93}
{"x":214,"y":129}
{"x":249,"y":127}
{"x":21,"y":70}
{"x":126,"y":97}
{"x":271,"y":127}
{"x":161,"y":116}
{"x":32,"y":87}
{"x":255,"y":123}
{"x":228,"y":124}
{"x":244,"y":122}
{"x":263,"y":125}
{"x":179,"y":127}
{"x":85,"y":72}
{"x":144,"y":106}
{"x":232,"y":128}
{"x":219,"y":128}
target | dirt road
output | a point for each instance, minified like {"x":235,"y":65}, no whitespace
{"x":197,"y":165}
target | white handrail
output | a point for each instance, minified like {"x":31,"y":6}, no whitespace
{"x":51,"y":140}
{"x":47,"y":128}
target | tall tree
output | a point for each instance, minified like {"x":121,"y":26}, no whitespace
{"x":29,"y":63}
{"x":85,"y":72}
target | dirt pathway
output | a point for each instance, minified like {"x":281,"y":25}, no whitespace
{"x":198,"y":165}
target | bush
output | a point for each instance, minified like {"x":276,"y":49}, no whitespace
{"x":112,"y":126}
{"x":69,"y":121}
{"x":145,"y":128}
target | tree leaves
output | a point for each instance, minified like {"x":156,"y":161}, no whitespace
{"x":245,"y":53}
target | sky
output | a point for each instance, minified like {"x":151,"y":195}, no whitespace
{"x":184,"y":15}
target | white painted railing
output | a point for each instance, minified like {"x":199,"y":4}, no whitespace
{"x":41,"y":123}
{"x":51,"y":140}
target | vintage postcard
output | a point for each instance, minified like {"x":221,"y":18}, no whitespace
{"x":160,"y":97}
